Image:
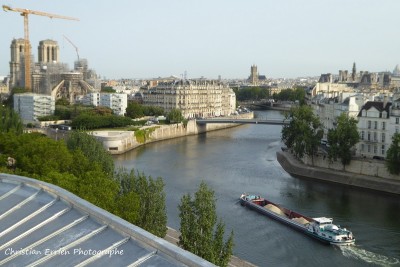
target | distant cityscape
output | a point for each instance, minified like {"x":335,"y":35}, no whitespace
{"x":371,"y":97}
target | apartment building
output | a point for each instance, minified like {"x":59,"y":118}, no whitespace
{"x":195,"y":97}
{"x":374,"y":128}
{"x":117,"y":102}
{"x":32,"y":106}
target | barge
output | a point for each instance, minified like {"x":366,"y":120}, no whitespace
{"x":321,"y":228}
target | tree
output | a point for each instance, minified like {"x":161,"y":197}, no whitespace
{"x":92,"y":149}
{"x":134,"y":110}
{"x":62,"y":102}
{"x":342,"y":138}
{"x":303,"y":133}
{"x":198,"y":220}
{"x":291,"y":95}
{"x":10,"y":121}
{"x":251,"y":93}
{"x":174,"y":116}
{"x":393,"y":155}
{"x":147,"y":201}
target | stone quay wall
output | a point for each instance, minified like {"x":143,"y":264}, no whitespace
{"x":297,"y":168}
{"x":370,"y":167}
{"x":119,"y":142}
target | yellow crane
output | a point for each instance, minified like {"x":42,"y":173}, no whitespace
{"x":27,"y":48}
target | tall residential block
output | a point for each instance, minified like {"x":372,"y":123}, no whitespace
{"x":32,"y":106}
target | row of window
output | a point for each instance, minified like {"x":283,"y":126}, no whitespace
{"x":368,"y":148}
{"x":375,"y":125}
{"x":373,"y":136}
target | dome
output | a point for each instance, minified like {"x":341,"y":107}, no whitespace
{"x":396,"y":71}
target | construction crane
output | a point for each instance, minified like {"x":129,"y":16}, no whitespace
{"x":27,"y":48}
{"x":76,"y":48}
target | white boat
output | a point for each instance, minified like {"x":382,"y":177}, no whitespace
{"x":321,"y":228}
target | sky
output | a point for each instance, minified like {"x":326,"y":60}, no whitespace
{"x":159,"y":38}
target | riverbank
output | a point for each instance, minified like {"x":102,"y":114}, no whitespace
{"x":296,"y":168}
{"x":120,"y":142}
{"x":173,"y":237}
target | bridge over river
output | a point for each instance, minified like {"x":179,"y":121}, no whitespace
{"x":244,"y":121}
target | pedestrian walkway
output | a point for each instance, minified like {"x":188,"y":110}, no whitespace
{"x":173,"y":237}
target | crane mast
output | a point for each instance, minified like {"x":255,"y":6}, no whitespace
{"x":76,"y":48}
{"x":27,"y":48}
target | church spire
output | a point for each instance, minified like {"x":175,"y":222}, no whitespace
{"x":354,"y":72}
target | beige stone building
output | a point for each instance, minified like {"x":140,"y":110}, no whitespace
{"x":48,"y":51}
{"x":195,"y":98}
{"x":17,"y":63}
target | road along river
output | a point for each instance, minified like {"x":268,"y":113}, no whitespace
{"x":242,"y":159}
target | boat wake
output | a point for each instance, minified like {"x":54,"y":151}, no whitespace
{"x":368,"y":256}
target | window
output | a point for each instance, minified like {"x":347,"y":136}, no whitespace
{"x":375,"y":136}
{"x":369,"y":124}
{"x":383,"y":150}
{"x":375,"y":125}
{"x":369,"y":148}
{"x":397,"y":120}
{"x":362,"y":135}
{"x":383,"y":125}
{"x":369,"y":136}
{"x":383,"y":137}
{"x":375,"y":149}
{"x":362,"y":147}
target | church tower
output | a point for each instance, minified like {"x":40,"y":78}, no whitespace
{"x":253,"y":75}
{"x":48,"y":51}
{"x":17,"y":63}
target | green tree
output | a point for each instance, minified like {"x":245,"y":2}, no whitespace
{"x":10,"y":121}
{"x":198,"y":220}
{"x":92,"y":149}
{"x":134,"y":110}
{"x":175,"y":116}
{"x":153,"y":111}
{"x":62,"y":102}
{"x":147,"y":196}
{"x":303,"y":133}
{"x":251,"y":93}
{"x":108,"y":89}
{"x":297,"y":94}
{"x":342,"y":138}
{"x":393,"y":155}
{"x":10,"y":100}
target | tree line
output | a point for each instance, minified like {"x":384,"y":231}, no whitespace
{"x":256,"y":93}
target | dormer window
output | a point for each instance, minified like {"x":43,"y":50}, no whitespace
{"x":364,"y":113}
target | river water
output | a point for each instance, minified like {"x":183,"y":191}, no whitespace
{"x":243,"y":159}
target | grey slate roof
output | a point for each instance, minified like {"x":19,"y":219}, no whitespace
{"x":42,"y":224}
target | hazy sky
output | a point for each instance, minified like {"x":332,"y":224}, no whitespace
{"x":152,"y":38}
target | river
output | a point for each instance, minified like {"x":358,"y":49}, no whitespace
{"x":243,"y":159}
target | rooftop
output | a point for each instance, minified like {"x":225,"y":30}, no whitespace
{"x":42,"y":224}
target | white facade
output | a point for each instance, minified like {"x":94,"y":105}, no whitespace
{"x":374,"y":128}
{"x":328,"y":109}
{"x":31,"y":106}
{"x":377,"y":119}
{"x":195,"y":98}
{"x":117,"y":102}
